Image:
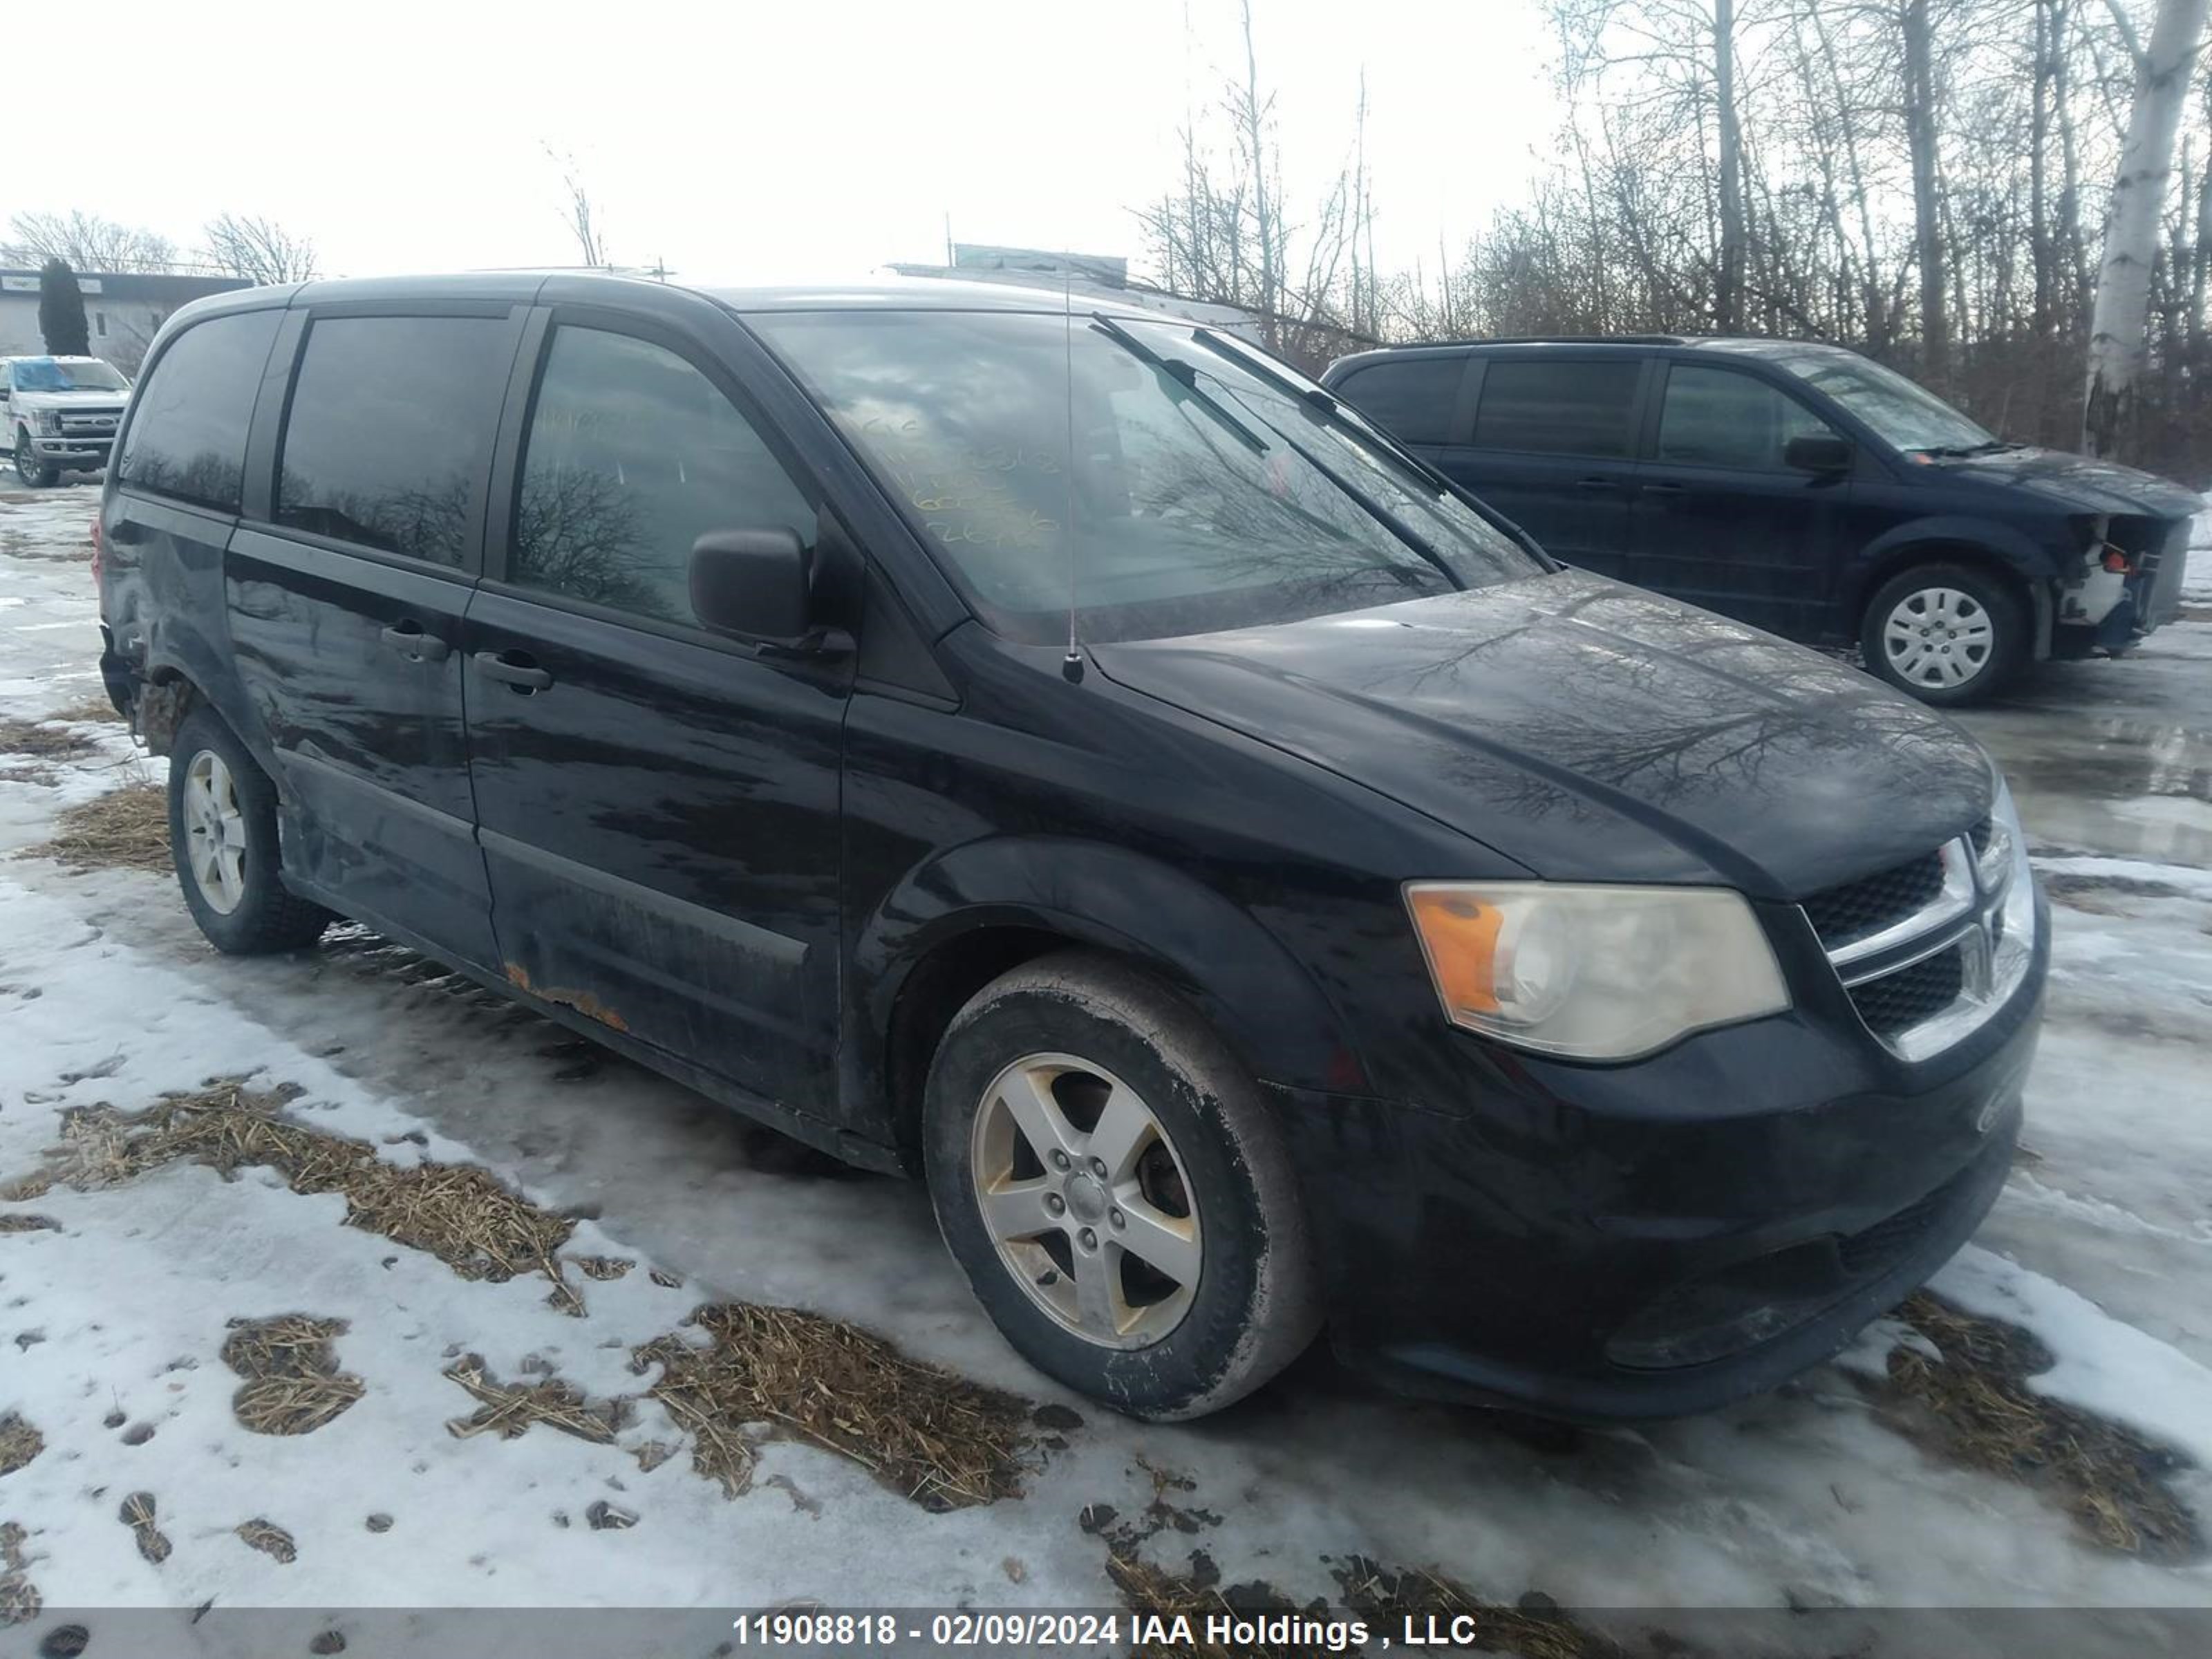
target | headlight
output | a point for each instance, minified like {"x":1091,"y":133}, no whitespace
{"x":50,"y":422}
{"x":1595,"y":973}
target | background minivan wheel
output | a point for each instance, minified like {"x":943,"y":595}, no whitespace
{"x":27,"y":467}
{"x":1946,"y":632}
{"x":1105,"y":1174}
{"x":223,"y":838}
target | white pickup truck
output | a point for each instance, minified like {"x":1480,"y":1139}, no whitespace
{"x":61,"y":414}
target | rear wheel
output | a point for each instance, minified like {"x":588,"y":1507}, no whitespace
{"x":34,"y":474}
{"x":1106,"y":1176}
{"x":1946,"y":632}
{"x":223,"y":838}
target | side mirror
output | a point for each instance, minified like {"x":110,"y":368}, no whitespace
{"x":1818,"y":452}
{"x":754,"y":583}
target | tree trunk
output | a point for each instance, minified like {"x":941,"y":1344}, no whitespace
{"x":1728,"y":296}
{"x":1927,"y":215}
{"x":2119,"y":320}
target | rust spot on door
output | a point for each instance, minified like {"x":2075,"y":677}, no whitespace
{"x":583,"y":1002}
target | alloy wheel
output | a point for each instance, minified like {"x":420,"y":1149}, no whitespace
{"x":214,"y":832}
{"x":1087,"y":1199}
{"x":1938,"y":636}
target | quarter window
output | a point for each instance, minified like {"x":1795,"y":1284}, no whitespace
{"x":390,"y":431}
{"x":1558,"y":408}
{"x":187,"y":435}
{"x":1412,"y":399}
{"x":1717,"y":417}
{"x":633,"y":455}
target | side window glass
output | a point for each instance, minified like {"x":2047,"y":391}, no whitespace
{"x":1559,"y":408}
{"x":390,"y":431}
{"x":632,"y":455}
{"x":1717,"y":417}
{"x":1411,"y":399}
{"x":188,"y":434}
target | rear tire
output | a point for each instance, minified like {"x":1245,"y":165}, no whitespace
{"x":222,"y":840}
{"x":1195,"y":1180}
{"x":1947,"y":634}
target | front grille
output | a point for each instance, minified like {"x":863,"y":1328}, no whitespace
{"x":1979,"y":835}
{"x":1867,"y":906}
{"x":90,"y":424}
{"x":1895,"y":1001}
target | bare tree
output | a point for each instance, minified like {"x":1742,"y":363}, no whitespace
{"x":2118,"y":327}
{"x":581,"y":213}
{"x":259,"y":250}
{"x":85,"y":242}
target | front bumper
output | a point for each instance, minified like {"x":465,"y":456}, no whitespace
{"x":72,"y":454}
{"x":1656,"y":1239}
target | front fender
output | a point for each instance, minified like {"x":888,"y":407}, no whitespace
{"x":1238,"y":975}
{"x":1940,"y":534}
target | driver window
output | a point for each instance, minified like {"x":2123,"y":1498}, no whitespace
{"x":1717,"y":417}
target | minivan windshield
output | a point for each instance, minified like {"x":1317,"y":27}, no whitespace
{"x":1908,"y":415}
{"x":47,"y":374}
{"x":1204,"y":492}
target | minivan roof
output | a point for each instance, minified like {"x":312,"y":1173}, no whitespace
{"x":901,"y":293}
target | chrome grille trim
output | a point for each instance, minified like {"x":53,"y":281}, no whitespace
{"x":1953,"y":903}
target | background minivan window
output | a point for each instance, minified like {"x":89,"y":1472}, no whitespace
{"x":633,"y":455}
{"x":187,"y":437}
{"x":1411,"y":397}
{"x":1716,"y":418}
{"x":390,"y":428}
{"x":1568,"y":408}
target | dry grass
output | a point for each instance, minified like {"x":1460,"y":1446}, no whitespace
{"x":20,"y":1600}
{"x":507,"y":1409}
{"x":44,"y":739}
{"x":1977,"y":1409}
{"x":1535,"y":1630}
{"x":270,"y":1539}
{"x":125,"y":829}
{"x":293,"y":1383}
{"x":601,"y":1267}
{"x":19,"y":1443}
{"x":1198,"y":1596}
{"x":941,"y":1440}
{"x":458,"y":1213}
{"x":137,"y":1514}
{"x":15,"y":1221}
{"x":91,"y":711}
{"x":24,"y":1188}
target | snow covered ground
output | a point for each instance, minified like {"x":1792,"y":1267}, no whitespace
{"x":113,"y":1319}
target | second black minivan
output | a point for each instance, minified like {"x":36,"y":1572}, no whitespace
{"x":1067,"y":756}
{"x":1798,"y":487}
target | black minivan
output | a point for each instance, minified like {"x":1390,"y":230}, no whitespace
{"x":1066,"y":756}
{"x":1800,"y":488}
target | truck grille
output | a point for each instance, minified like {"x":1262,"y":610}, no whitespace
{"x":1898,"y":1001}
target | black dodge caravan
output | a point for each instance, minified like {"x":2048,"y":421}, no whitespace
{"x":1800,"y":488}
{"x":1070,"y":757}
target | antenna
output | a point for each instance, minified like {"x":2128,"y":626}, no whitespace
{"x":1070,"y":667}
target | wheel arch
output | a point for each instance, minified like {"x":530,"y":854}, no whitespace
{"x":957,"y":923}
{"x":2004,"y":552}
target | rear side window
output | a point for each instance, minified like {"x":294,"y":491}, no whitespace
{"x":390,"y":431}
{"x":187,"y":437}
{"x":1717,"y":417}
{"x":633,"y":455}
{"x":1412,"y":399}
{"x":1564,"y":409}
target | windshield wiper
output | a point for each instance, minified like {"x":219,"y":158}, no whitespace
{"x":1956,"y":451}
{"x":1184,"y":375}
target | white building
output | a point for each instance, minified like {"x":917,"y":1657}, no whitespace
{"x":122,"y":310}
{"x":1095,"y":276}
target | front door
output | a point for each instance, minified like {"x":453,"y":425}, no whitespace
{"x":1722,"y":521}
{"x":1553,"y":449}
{"x":345,"y":611}
{"x":658,"y":804}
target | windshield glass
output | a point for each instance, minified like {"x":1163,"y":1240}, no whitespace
{"x":1906,"y":414}
{"x":1200,"y":496}
{"x":48,"y":374}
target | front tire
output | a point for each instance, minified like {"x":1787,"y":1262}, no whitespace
{"x":28,"y":468}
{"x":1948,"y":633}
{"x":1108,"y":1178}
{"x":222,"y":838}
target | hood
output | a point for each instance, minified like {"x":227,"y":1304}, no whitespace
{"x":77,"y":398}
{"x":1592,"y":731}
{"x":2079,"y":483}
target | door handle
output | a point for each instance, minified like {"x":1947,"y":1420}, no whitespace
{"x":408,"y":638}
{"x":1664,"y":487}
{"x":515,"y":669}
{"x":1595,"y":483}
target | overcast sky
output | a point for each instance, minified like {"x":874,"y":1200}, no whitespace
{"x":748,"y":143}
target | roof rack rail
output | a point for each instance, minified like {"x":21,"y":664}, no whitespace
{"x":1545,"y":339}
